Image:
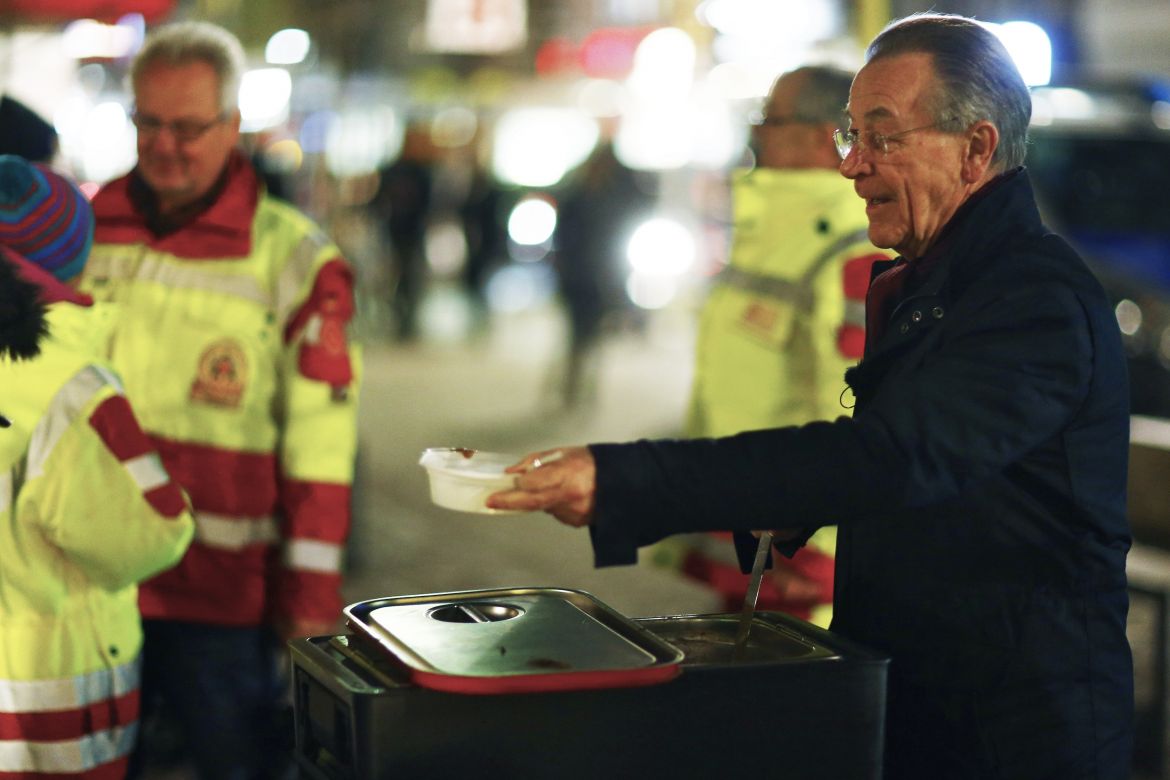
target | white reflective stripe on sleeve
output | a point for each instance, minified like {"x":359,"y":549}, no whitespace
{"x":185,"y":276}
{"x":68,"y":756}
{"x":68,"y":693}
{"x":291,"y":282}
{"x":5,"y":491}
{"x":854,"y":312}
{"x":312,"y":555}
{"x":234,"y":533}
{"x":63,"y":410}
{"x":147,"y":471}
{"x":109,"y":377}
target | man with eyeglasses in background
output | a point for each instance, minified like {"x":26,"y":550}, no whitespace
{"x":784,"y":319}
{"x":232,"y":310}
{"x":979,"y":486}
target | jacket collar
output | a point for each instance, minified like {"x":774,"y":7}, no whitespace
{"x":974,"y":238}
{"x":222,"y":229}
{"x":1005,"y":207}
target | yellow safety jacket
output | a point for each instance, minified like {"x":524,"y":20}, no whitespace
{"x":785,"y":318}
{"x":86,"y":511}
{"x":231,"y":338}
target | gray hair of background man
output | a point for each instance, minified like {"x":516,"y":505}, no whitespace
{"x":824,"y":92}
{"x":977,"y":78}
{"x":182,"y":43}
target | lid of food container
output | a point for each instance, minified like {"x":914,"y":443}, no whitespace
{"x":514,"y":640}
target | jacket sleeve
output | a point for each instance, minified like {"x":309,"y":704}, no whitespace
{"x":100,"y":491}
{"x":321,"y":370}
{"x":1012,"y":371}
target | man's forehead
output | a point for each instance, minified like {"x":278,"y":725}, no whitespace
{"x":890,"y":87}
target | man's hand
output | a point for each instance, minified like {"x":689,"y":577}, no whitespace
{"x":561,"y":482}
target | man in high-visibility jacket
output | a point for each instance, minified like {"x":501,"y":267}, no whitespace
{"x":233,"y":310}
{"x":86,"y":508}
{"x":786,"y":317}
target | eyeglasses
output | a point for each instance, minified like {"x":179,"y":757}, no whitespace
{"x":848,"y":140}
{"x":184,"y":130}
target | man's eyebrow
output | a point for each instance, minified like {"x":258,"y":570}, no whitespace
{"x":872,"y":115}
{"x":878,"y":113}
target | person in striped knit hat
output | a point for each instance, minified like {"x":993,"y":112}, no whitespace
{"x":86,"y":508}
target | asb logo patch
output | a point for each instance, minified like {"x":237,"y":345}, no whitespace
{"x":222,"y":374}
{"x":759,"y":316}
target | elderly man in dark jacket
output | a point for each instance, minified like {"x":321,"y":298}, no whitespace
{"x":980,"y":483}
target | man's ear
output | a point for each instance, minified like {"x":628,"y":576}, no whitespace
{"x":983,"y":140}
{"x":233,"y":121}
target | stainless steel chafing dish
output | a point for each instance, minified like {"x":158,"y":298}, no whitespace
{"x":551,"y":683}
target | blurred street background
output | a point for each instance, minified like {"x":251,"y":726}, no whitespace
{"x":437,"y":140}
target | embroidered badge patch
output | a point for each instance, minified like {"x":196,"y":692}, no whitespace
{"x":758,"y":316}
{"x":222,"y":374}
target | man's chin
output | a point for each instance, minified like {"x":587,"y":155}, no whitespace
{"x":880,"y":238}
{"x":169,"y":189}
{"x":163,"y":180}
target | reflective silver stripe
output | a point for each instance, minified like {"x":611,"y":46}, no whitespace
{"x":797,"y":291}
{"x":109,"y":377}
{"x":5,"y":491}
{"x":763,"y":284}
{"x":234,"y":533}
{"x":854,"y":312}
{"x":313,"y":555}
{"x":63,"y":410}
{"x":177,"y":274}
{"x":68,"y":755}
{"x":147,"y":471}
{"x":68,"y":693}
{"x":291,"y":283}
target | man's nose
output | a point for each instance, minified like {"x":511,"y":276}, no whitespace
{"x":161,"y":140}
{"x":852,"y":165}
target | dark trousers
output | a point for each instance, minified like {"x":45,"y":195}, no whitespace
{"x":213,"y":697}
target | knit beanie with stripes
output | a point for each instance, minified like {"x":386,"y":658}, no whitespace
{"x":44,"y":217}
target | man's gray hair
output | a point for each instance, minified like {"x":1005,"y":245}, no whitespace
{"x":824,"y":92}
{"x":977,"y":79}
{"x":182,"y":43}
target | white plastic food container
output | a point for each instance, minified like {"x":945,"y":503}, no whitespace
{"x":462,"y":478}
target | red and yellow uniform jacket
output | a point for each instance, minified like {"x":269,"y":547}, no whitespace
{"x":780,"y":326}
{"x":86,"y":512}
{"x":231,"y":338}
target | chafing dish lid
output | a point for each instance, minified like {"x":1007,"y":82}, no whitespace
{"x":514,"y":640}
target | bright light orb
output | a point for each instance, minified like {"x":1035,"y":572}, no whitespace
{"x":287,"y":47}
{"x":264,"y":98}
{"x":661,"y":246}
{"x":532,"y":221}
{"x":1031,"y":49}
